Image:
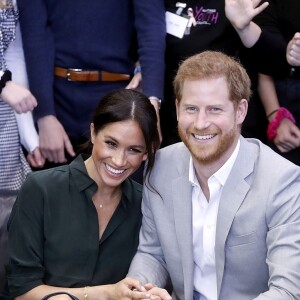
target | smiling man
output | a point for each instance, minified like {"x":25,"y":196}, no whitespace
{"x":222,"y":216}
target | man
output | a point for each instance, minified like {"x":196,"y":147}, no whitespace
{"x":221,"y":213}
{"x":78,"y":51}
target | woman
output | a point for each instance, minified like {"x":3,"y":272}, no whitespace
{"x":75,"y":228}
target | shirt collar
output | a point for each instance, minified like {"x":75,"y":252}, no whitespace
{"x":83,"y":181}
{"x":221,"y":175}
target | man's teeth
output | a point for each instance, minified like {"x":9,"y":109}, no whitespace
{"x":204,"y":137}
{"x":115,"y":171}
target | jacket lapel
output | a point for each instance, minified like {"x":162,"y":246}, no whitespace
{"x":182,"y":204}
{"x":233,"y":194}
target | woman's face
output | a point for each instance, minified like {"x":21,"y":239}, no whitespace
{"x":118,"y":151}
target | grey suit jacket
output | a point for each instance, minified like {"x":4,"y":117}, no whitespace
{"x":257,"y":247}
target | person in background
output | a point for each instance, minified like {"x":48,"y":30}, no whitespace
{"x":283,"y":130}
{"x":74,"y":228}
{"x":279,"y":84}
{"x":226,"y":223}
{"x":76,"y":52}
{"x":16,"y":123}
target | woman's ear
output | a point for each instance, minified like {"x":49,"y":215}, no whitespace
{"x":145,"y":156}
{"x":92,"y":130}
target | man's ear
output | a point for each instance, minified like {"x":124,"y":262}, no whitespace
{"x":241,"y":111}
{"x":177,"y":108}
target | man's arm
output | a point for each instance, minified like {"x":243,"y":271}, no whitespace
{"x":39,"y":48}
{"x":148,"y":265}
{"x":151,"y":33}
{"x":283,"y":238}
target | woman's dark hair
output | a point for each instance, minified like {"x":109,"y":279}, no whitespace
{"x":124,"y":104}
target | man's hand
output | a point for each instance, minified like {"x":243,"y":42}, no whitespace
{"x":156,"y":292}
{"x":156,"y":106}
{"x":287,"y":137}
{"x":293,"y":51}
{"x":131,"y":289}
{"x":54,"y":140}
{"x":135,"y":81}
{"x":19,"y":98}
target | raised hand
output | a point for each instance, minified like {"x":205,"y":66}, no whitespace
{"x":241,"y":12}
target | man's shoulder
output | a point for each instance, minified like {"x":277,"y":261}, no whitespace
{"x":173,"y":159}
{"x":267,"y":160}
{"x":173,"y":151}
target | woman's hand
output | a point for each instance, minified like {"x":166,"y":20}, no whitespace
{"x":241,"y":12}
{"x":287,"y":137}
{"x":126,"y":289}
{"x":19,"y":98}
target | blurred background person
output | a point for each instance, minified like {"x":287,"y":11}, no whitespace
{"x":279,"y":86}
{"x":77,"y":52}
{"x":274,"y":34}
{"x":16,"y":123}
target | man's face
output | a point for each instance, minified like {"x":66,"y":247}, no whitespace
{"x":208,"y":123}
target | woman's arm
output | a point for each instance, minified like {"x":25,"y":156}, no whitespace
{"x":241,"y":13}
{"x":287,"y":134}
{"x":126,"y":289}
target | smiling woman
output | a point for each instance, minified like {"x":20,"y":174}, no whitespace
{"x":76,"y":226}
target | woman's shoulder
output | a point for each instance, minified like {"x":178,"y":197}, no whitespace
{"x":50,"y":173}
{"x":48,"y":177}
{"x":132,"y":190}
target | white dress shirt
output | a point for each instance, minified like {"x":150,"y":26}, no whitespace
{"x":204,"y":227}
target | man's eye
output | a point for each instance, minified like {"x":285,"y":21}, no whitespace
{"x":215,"y":109}
{"x":191,"y":108}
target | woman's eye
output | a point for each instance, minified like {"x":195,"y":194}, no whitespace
{"x":134,"y":150}
{"x":110,"y":143}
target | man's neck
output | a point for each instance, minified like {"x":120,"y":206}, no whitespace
{"x":205,"y":170}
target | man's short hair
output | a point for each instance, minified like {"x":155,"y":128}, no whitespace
{"x":213,"y":64}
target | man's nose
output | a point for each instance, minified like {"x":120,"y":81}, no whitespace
{"x":202,"y":120}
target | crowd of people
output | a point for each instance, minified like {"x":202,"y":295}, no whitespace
{"x":92,"y":208}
